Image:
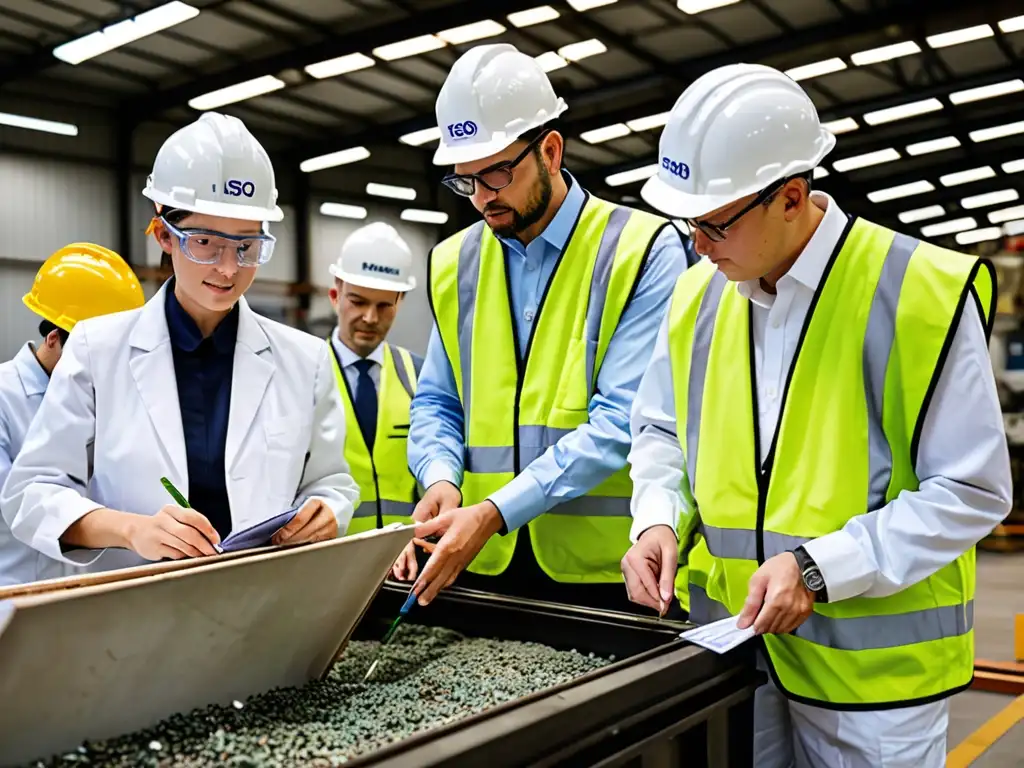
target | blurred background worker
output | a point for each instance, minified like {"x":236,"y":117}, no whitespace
{"x":842,"y":526}
{"x":376,"y":380}
{"x":241,"y":413}
{"x":545,"y":315}
{"x":79,"y":281}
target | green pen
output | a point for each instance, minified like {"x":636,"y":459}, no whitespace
{"x":182,"y":502}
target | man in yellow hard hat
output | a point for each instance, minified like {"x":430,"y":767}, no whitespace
{"x":79,"y":281}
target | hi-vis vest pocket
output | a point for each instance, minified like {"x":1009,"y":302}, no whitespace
{"x":570,"y":396}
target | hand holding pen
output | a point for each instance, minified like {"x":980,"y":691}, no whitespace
{"x":176,"y":531}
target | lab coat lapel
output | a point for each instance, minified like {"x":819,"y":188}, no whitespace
{"x":253,"y":368}
{"x":152,"y":367}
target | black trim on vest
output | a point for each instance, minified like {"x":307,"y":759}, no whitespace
{"x":991,"y":314}
{"x":940,"y":364}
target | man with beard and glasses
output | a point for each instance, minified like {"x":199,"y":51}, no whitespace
{"x":545,"y":314}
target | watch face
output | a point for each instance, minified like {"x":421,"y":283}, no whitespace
{"x":813,"y":580}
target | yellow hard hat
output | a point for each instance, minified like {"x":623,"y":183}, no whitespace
{"x":83,"y":280}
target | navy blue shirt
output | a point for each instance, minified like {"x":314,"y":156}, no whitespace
{"x":203,"y":368}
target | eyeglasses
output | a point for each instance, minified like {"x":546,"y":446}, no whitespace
{"x":716,"y":232}
{"x":205,"y":246}
{"x":495,"y":178}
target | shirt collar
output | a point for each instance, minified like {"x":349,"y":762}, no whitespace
{"x":185,"y":334}
{"x":556,"y":233}
{"x":348,"y":357}
{"x":810,"y":265}
{"x":34,"y":378}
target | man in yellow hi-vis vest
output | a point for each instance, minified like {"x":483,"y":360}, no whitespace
{"x":377,"y":380}
{"x":545,"y":312}
{"x":821,"y":410}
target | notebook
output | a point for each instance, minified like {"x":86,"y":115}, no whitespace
{"x":258,"y":535}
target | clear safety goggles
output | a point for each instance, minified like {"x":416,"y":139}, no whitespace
{"x":206,"y":246}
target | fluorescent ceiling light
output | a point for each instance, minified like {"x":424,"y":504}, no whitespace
{"x":1016,"y":24}
{"x":388,"y":190}
{"x":414,"y":46}
{"x":990,"y":198}
{"x":609,"y":132}
{"x":885,"y":53}
{"x":343,"y":211}
{"x":820,"y":172}
{"x":581,"y":50}
{"x":902,"y":190}
{"x":425,"y":136}
{"x":1006,"y":214}
{"x":586,"y":5}
{"x":550,"y":61}
{"x":649,"y":122}
{"x":343,"y":157}
{"x":966,"y":177}
{"x":1014,"y":166}
{"x":36,"y":124}
{"x":630,"y":177}
{"x":238,"y":92}
{"x":987,"y":91}
{"x":921,"y":214}
{"x":842,"y":125}
{"x":123,"y":32}
{"x":478,"y":30}
{"x":949,"y":227}
{"x":979,"y":235}
{"x":340,"y":66}
{"x":958,"y":36}
{"x":816,"y":69}
{"x":865,"y":160}
{"x":935,"y":145}
{"x":423,"y":216}
{"x":997,"y":132}
{"x":533,"y":16}
{"x":699,"y":6}
{"x":902,"y":111}
{"x":1014,"y":227}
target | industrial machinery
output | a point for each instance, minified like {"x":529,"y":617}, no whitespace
{"x":663,"y":702}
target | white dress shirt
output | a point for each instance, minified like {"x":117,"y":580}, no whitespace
{"x":963,"y":462}
{"x":349,"y":359}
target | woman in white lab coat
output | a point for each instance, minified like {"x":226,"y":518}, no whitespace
{"x":239,"y":412}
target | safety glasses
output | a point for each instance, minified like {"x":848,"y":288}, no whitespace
{"x":716,"y":233}
{"x":494,"y":178}
{"x":205,"y":246}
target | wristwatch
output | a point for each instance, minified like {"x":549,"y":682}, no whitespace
{"x":811,"y":574}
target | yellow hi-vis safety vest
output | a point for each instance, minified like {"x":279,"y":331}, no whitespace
{"x":516,"y":409}
{"x":386,"y":487}
{"x":866,"y":365}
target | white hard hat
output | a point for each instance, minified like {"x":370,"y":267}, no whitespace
{"x":215,"y":166}
{"x":492,"y":96}
{"x":732,"y":133}
{"x":375,"y":256}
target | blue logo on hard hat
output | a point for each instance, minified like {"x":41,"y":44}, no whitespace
{"x":462,"y":130}
{"x":238,"y":188}
{"x":676,"y":168}
{"x":371,"y":267}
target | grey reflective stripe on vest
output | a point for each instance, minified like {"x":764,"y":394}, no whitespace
{"x":861,"y":633}
{"x":878,"y":342}
{"x":468,"y":277}
{"x":741,"y":543}
{"x":703,"y":333}
{"x":403,"y":375}
{"x":387,"y":507}
{"x":599,"y":285}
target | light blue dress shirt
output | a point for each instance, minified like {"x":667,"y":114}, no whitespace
{"x":595,"y":450}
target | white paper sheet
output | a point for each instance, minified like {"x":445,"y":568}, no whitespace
{"x":719,"y":636}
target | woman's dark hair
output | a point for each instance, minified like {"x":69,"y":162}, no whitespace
{"x":174,"y":216}
{"x":46,"y":328}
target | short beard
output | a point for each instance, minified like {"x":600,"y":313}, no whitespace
{"x":536,"y":207}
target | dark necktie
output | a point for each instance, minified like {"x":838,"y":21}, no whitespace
{"x":366,"y":402}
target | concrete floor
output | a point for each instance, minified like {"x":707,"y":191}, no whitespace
{"x":1000,"y":596}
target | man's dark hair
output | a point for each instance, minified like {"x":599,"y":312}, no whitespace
{"x":46,"y":328}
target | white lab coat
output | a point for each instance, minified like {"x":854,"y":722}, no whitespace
{"x":23,"y":383}
{"x":110,"y":426}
